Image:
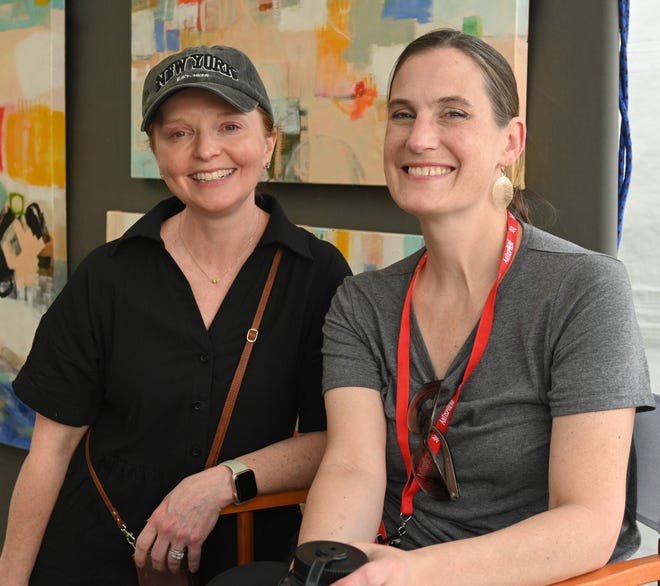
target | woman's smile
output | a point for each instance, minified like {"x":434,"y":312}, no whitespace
{"x":426,"y":170}
{"x":204,"y":177}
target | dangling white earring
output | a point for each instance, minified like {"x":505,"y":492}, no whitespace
{"x":502,"y":192}
{"x":267,"y":165}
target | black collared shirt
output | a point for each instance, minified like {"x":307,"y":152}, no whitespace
{"x":124,"y":349}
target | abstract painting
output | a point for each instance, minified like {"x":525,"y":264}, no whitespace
{"x":365,"y":250}
{"x":325,"y":64}
{"x":32,"y":188}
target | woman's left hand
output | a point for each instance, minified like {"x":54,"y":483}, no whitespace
{"x":387,"y":566}
{"x":183,"y":520}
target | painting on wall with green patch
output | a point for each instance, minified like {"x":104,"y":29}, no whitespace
{"x":325,"y":64}
{"x":32,"y":189}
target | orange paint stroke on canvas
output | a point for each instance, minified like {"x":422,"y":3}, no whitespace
{"x":364,"y":95}
{"x":332,"y":40}
{"x":343,"y":242}
{"x":2,"y":140}
{"x":336,"y":78}
{"x":34,"y":144}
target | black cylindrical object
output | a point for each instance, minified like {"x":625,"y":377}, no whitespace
{"x":319,"y":563}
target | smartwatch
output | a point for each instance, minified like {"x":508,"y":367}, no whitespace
{"x":243,"y":480}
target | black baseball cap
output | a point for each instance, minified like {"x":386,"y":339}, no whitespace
{"x":225,"y":71}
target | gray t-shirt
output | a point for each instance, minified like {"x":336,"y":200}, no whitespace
{"x":565,"y":340}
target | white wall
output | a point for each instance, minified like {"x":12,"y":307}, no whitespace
{"x":640,"y":242}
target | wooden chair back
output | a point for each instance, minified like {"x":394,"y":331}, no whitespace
{"x":245,"y":518}
{"x":635,"y":572}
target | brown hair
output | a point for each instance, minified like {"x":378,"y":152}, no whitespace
{"x":498,"y":77}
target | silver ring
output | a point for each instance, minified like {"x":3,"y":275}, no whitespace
{"x":176,"y":554}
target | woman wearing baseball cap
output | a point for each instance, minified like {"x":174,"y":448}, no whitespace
{"x":141,"y":347}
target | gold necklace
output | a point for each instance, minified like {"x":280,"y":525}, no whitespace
{"x":216,"y":280}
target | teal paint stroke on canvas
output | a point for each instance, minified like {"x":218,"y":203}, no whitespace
{"x":26,"y":13}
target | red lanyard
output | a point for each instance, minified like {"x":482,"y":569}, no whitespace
{"x":403,"y":364}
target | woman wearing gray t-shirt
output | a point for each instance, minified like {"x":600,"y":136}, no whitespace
{"x":481,"y":393}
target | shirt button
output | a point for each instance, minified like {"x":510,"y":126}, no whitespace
{"x":195,"y":452}
{"x":203,"y":358}
{"x":197,"y":406}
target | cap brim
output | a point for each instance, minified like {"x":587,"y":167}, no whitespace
{"x":236,"y":98}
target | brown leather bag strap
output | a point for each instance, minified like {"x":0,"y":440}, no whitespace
{"x":115,"y":514}
{"x":251,"y":338}
{"x":221,"y":431}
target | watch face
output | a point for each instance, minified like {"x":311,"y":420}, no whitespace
{"x":246,"y":486}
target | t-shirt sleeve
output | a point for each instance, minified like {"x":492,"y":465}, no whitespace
{"x":311,"y":411}
{"x":61,"y":376}
{"x":352,"y":356}
{"x":598,"y":353}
